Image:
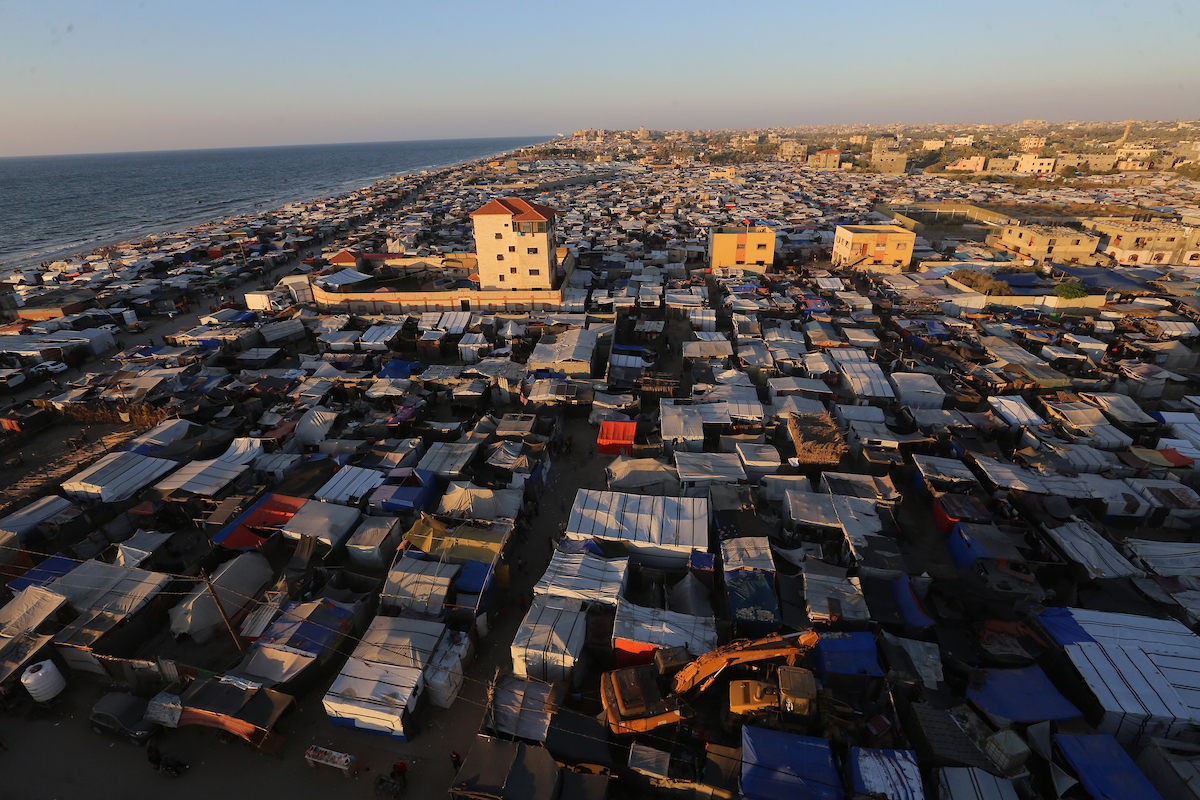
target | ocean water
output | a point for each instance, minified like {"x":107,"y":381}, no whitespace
{"x":51,"y":206}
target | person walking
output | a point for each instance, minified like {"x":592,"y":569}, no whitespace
{"x":456,"y":760}
{"x":524,"y":606}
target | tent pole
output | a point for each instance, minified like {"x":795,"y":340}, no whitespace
{"x":236,"y":639}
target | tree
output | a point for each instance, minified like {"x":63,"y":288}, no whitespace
{"x":1070,"y":290}
{"x":1067,"y":171}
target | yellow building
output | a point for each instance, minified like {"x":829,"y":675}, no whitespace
{"x":515,"y":244}
{"x":739,"y":246}
{"x":1049,"y":243}
{"x":877,"y":248}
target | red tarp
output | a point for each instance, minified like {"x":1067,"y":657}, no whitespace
{"x":616,"y":438}
{"x":257,"y":524}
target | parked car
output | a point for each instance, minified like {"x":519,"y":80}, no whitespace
{"x":125,"y":715}
{"x":48,"y":368}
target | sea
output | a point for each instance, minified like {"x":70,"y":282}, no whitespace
{"x":55,"y":206}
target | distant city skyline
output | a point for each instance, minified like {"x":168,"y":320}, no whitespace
{"x":77,"y":77}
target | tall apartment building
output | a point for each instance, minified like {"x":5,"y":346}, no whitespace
{"x":858,"y":138}
{"x":1049,"y":243}
{"x":1148,"y":242}
{"x":789,"y":149}
{"x":516,"y":245}
{"x":748,"y":247}
{"x":1031,"y":144}
{"x":876,"y":248}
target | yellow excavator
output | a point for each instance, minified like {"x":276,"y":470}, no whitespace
{"x":634,"y":701}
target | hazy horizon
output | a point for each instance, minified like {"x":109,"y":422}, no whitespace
{"x":81,"y":79}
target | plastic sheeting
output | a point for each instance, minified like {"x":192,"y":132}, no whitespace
{"x":889,"y":773}
{"x":328,"y":523}
{"x":784,"y":766}
{"x":421,"y":586}
{"x":1021,"y":695}
{"x":642,"y":475}
{"x":663,"y":529}
{"x":1083,"y":545}
{"x":1104,"y":768}
{"x":972,"y":783}
{"x":236,"y":584}
{"x":350,"y":485}
{"x":584,"y":577}
{"x":116,"y":477}
{"x":314,"y":426}
{"x":638,"y":629}
{"x":471,"y":502}
{"x":550,"y":640}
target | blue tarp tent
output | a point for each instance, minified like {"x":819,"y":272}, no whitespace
{"x":910,"y":607}
{"x":1104,"y":768}
{"x":1103,"y":278}
{"x":476,"y":577}
{"x":846,"y":654}
{"x":397,"y":369}
{"x":1062,"y":627}
{"x":44,"y":573}
{"x":1022,"y":695}
{"x":783,"y":766}
{"x":314,"y":633}
{"x":416,"y":493}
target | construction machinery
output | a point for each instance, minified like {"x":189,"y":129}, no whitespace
{"x":642,"y":698}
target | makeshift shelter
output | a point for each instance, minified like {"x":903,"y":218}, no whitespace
{"x":259,"y":522}
{"x":406,"y":489}
{"x":783,"y":766}
{"x":448,"y":459}
{"x":328,"y":523}
{"x":304,"y":636}
{"x":116,"y":477}
{"x":698,"y":471}
{"x":23,"y":523}
{"x":885,"y":773}
{"x":642,"y":475}
{"x":236,"y":584}
{"x":661,"y":530}
{"x":201,"y":478}
{"x":550,"y":641}
{"x":1105,"y":770}
{"x":496,"y":769}
{"x":639,"y":631}
{"x":616,"y":438}
{"x":758,"y":460}
{"x":468,"y":501}
{"x":374,"y":542}
{"x":420,"y":586}
{"x":584,"y":577}
{"x":350,"y":486}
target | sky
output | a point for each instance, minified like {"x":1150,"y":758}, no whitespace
{"x":82,"y":76}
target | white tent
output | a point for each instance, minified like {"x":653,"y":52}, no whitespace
{"x":448,"y":459}
{"x":236,"y":584}
{"x":584,"y":577}
{"x":698,"y":471}
{"x":203,"y":478}
{"x":758,"y":459}
{"x":350,"y":485}
{"x":374,"y":542}
{"x":661,"y":530}
{"x":638,"y":629}
{"x":421,"y":586}
{"x":917,"y":390}
{"x":327,"y":522}
{"x":314,"y":426}
{"x":116,"y":477}
{"x":550,"y":640}
{"x":444,"y":675}
{"x":25,"y":521}
{"x":471,"y":502}
{"x":642,"y":475}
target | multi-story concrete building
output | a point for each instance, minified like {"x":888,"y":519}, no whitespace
{"x":929,"y":145}
{"x":1032,"y":162}
{"x":889,"y":163}
{"x":1148,"y":242}
{"x":748,"y":247}
{"x":875,"y":248}
{"x":789,"y":149}
{"x":1091,"y":161}
{"x":826,"y":159}
{"x":1031,"y":144}
{"x":1046,"y":243}
{"x":1001,"y":165}
{"x":516,"y":245}
{"x":963,"y":141}
{"x":858,"y":138}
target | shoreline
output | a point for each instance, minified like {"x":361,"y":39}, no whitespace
{"x":35,"y":260}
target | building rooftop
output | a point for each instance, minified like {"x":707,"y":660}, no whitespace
{"x":875,"y":228}
{"x":518,"y":209}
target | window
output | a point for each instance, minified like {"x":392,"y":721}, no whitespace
{"x":526,"y":227}
{"x":512,"y":248}
{"x":500,"y":278}
{"x":499,"y":235}
{"x":512,"y":270}
{"x":1194,"y":257}
{"x":535,"y":272}
{"x":902,"y":246}
{"x":531,"y":251}
{"x":540,"y":227}
{"x":762,"y":247}
{"x":499,"y":256}
{"x":741,"y":247}
{"x":1052,"y":242}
